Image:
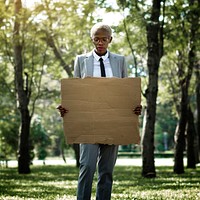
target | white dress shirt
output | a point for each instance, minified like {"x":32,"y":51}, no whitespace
{"x":97,"y":69}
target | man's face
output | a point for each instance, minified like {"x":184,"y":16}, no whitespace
{"x":101,"y":40}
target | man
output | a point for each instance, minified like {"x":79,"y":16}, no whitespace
{"x":98,"y":63}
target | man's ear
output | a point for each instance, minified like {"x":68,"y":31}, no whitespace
{"x":110,"y":39}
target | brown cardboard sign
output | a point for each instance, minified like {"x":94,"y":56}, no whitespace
{"x":101,"y":110}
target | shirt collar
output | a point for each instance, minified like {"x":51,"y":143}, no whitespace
{"x":97,"y":57}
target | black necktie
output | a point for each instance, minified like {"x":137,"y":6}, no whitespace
{"x":103,"y":73}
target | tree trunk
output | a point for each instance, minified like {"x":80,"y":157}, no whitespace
{"x":198,"y":110}
{"x":154,"y":56}
{"x":23,"y":153}
{"x":22,"y":95}
{"x":180,"y":133}
{"x":191,"y":133}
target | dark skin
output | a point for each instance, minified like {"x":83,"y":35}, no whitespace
{"x":137,"y":110}
{"x":62,"y":110}
{"x":101,"y":39}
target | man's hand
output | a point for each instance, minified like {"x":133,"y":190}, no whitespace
{"x":137,"y":110}
{"x":62,"y":110}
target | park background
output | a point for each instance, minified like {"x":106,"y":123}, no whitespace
{"x":39,"y":42}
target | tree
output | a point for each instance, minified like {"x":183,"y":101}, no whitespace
{"x":28,"y":68}
{"x":155,"y":52}
{"x":139,"y":11}
{"x":197,"y":74}
{"x":177,"y":67}
{"x":184,"y":80}
{"x":191,"y":134}
{"x":22,"y":94}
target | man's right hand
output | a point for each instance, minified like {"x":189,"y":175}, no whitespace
{"x":62,"y":110}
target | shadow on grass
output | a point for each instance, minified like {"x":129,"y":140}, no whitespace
{"x":60,"y":182}
{"x":44,"y":182}
{"x":129,"y":184}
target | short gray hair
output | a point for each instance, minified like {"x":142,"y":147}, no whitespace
{"x":100,"y":25}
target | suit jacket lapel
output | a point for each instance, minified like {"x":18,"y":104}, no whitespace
{"x":113,"y":64}
{"x":89,"y":62}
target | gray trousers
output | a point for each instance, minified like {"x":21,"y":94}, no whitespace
{"x":90,"y":155}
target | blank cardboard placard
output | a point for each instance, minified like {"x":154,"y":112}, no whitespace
{"x":101,"y":110}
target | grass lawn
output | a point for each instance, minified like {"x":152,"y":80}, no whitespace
{"x":60,"y":182}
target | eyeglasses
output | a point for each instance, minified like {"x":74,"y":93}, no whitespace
{"x":98,"y":40}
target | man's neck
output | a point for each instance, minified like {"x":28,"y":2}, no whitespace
{"x":103,"y":54}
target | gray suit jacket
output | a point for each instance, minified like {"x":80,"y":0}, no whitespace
{"x":84,"y":65}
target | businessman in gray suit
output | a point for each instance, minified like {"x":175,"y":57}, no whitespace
{"x":97,"y":63}
{"x":88,"y":64}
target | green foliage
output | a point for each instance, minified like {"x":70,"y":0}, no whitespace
{"x":9,"y":126}
{"x":60,"y":182}
{"x":165,"y":124}
{"x":9,"y":115}
{"x":177,"y":47}
{"x":39,"y":139}
{"x":64,"y":21}
{"x":131,"y":37}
